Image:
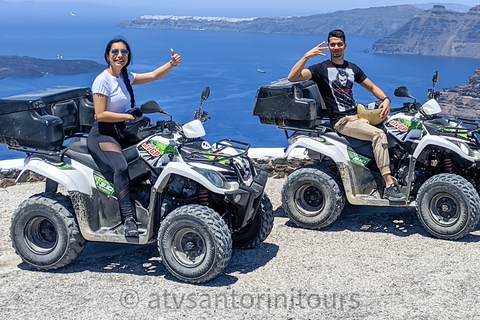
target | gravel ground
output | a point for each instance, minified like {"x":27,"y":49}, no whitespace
{"x":370,"y":264}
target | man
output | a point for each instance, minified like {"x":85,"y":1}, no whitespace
{"x":335,"y":78}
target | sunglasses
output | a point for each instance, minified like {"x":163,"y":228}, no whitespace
{"x":124,"y":52}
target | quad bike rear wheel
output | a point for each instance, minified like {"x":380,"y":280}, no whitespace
{"x":448,"y":206}
{"x":195,"y":243}
{"x":256,"y":230}
{"x":44,"y":231}
{"x":312,"y":198}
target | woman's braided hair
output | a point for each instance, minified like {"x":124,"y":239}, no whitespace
{"x":124,"y":72}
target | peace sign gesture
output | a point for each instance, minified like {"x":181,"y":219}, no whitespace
{"x":316,"y":51}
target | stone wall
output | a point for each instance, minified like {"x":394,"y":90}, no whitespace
{"x":8,"y":177}
{"x":280,"y":167}
{"x":276,"y":167}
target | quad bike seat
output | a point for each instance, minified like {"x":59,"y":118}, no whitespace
{"x":77,"y":150}
{"x":359,"y":146}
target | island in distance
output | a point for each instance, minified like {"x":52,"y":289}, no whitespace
{"x":16,"y":66}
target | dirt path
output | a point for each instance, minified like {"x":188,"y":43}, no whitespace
{"x":370,"y":264}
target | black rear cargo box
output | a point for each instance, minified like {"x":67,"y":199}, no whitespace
{"x":43,"y":118}
{"x":285,"y":103}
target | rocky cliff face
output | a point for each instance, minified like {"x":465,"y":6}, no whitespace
{"x":371,"y":22}
{"x":463,"y":100}
{"x":436,"y":32}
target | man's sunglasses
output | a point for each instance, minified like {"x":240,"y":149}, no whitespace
{"x":124,"y":52}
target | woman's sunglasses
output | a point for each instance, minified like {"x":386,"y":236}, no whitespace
{"x":124,"y":52}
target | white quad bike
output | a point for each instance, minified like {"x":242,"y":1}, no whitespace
{"x":194,"y":200}
{"x":434,"y":158}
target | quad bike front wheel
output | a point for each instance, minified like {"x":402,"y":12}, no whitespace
{"x":448,"y":206}
{"x":195,"y":243}
{"x":44,"y":231}
{"x":312,"y":198}
{"x":256,"y":230}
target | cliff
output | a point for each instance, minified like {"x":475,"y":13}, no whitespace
{"x":14,"y":66}
{"x":463,"y":100}
{"x":372,"y":22}
{"x":436,"y":32}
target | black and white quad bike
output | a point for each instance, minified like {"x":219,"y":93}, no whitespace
{"x":196,"y":201}
{"x":435,"y":160}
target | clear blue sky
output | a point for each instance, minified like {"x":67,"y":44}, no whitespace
{"x":249,"y":8}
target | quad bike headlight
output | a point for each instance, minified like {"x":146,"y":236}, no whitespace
{"x":467,"y":150}
{"x":214,"y":177}
{"x":464,"y":148}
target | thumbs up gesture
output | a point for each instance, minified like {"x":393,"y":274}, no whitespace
{"x":176,"y":59}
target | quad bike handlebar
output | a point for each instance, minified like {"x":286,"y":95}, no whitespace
{"x":241,"y":149}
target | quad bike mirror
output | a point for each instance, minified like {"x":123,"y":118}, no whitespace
{"x":402,"y":92}
{"x":150,"y":107}
{"x":153,"y":107}
{"x":432,"y":93}
{"x":435,"y":79}
{"x":205,"y":94}
{"x":203,"y":116}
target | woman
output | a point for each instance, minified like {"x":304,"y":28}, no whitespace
{"x":112,"y":98}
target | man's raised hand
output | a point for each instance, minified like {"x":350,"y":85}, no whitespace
{"x":316,"y":51}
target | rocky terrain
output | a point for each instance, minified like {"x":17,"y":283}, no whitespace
{"x":463,"y":100}
{"x":436,"y":32}
{"x":15,"y":66}
{"x":371,"y":22}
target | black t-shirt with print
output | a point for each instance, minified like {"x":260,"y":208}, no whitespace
{"x":335,"y":83}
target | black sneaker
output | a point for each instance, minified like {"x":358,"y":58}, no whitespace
{"x":131,"y":229}
{"x":392,"y":193}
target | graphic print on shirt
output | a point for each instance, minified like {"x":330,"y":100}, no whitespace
{"x":341,"y":81}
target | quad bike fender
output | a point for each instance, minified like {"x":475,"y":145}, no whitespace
{"x":321,"y":145}
{"x":69,"y":177}
{"x":185,"y":170}
{"x":447,"y":144}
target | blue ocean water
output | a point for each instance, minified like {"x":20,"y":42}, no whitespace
{"x":226,"y":62}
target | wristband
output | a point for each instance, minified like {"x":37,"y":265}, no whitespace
{"x":172,"y":64}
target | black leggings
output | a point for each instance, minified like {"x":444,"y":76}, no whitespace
{"x":107,"y":150}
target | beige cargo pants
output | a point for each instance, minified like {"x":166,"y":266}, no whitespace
{"x":361,"y":129}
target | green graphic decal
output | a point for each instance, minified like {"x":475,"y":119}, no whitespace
{"x":323,"y":140}
{"x":157,"y":148}
{"x":104,"y":185}
{"x":461,"y":133}
{"x":411,"y":125}
{"x":206,"y":154}
{"x":61,"y":165}
{"x":358,"y":158}
{"x":223,"y":160}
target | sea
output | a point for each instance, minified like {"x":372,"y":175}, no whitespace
{"x":233,"y":64}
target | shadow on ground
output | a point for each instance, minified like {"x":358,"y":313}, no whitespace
{"x":400,"y":221}
{"x":145,"y":261}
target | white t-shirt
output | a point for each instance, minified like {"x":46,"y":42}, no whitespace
{"x":115,"y":89}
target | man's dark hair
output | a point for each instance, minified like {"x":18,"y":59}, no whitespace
{"x":337,"y":33}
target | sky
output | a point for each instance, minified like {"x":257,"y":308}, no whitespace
{"x":248,"y":8}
